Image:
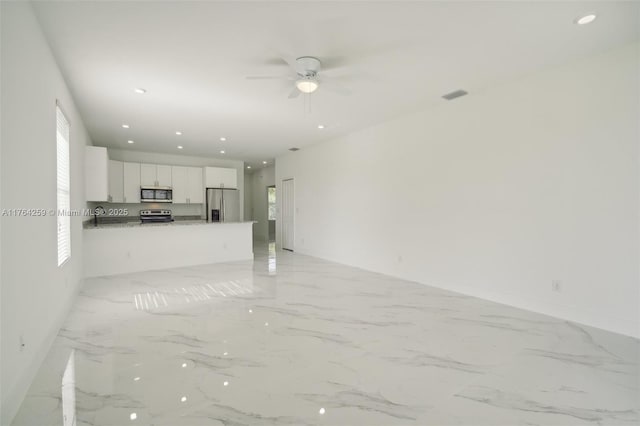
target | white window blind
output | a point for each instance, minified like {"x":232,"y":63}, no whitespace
{"x":64,"y":198}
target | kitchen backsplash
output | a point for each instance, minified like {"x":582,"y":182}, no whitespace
{"x":129,"y":209}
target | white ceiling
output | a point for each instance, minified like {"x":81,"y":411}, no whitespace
{"x":193,"y":57}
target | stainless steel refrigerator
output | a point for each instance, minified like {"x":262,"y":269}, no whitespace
{"x":223,"y":205}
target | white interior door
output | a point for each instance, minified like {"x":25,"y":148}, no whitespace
{"x":287,"y":214}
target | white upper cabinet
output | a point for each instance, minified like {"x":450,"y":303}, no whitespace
{"x":155,"y":175}
{"x":220,"y":177}
{"x":180,"y":183}
{"x":119,"y":182}
{"x":96,"y":162}
{"x":163,"y":174}
{"x":187,"y":185}
{"x":148,"y":174}
{"x":196,"y":188}
{"x":131,"y":182}
{"x":116,"y":184}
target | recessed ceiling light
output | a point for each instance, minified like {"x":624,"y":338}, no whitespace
{"x":129,"y":141}
{"x":248,"y":167}
{"x":140,"y":90}
{"x":125,"y":126}
{"x":133,"y":416}
{"x":320,"y":126}
{"x":264,"y":162}
{"x":223,"y":139}
{"x":222,"y":151}
{"x":180,"y":146}
{"x":586,"y":19}
{"x":183,"y":399}
{"x":178,"y":133}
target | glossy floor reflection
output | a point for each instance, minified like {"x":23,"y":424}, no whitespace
{"x":294,"y":340}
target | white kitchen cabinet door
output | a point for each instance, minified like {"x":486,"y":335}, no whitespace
{"x":220,"y":177}
{"x":96,"y":161}
{"x":212,"y":177}
{"x":163,"y":174}
{"x":180,"y":184}
{"x":196,"y":190}
{"x":148,"y":175}
{"x":116,"y":176}
{"x":229,"y":178}
{"x":131,"y":182}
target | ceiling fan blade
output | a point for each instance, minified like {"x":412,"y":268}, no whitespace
{"x":267,"y":77}
{"x":276,"y":61}
{"x":334,"y":62}
{"x":294,"y":93}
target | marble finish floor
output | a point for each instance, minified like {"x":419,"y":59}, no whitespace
{"x":294,"y":340}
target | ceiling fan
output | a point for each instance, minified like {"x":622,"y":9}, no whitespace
{"x":307,"y":79}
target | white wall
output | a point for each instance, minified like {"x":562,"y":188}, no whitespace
{"x":36,"y":293}
{"x":176,"y":160}
{"x":260,"y":180}
{"x":494,"y":195}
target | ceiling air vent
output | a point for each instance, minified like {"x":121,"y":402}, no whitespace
{"x":294,"y":149}
{"x":455,"y":94}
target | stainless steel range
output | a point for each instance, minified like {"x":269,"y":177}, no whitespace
{"x":155,"y":215}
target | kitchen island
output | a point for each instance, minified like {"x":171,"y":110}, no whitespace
{"x":120,"y":248}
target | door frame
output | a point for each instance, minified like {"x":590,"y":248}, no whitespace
{"x":293,"y":210}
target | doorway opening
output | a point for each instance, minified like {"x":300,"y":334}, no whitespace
{"x":271,"y":209}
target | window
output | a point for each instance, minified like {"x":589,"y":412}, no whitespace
{"x":63,"y":194}
{"x":271,"y":197}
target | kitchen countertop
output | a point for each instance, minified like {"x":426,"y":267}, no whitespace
{"x":138,"y":224}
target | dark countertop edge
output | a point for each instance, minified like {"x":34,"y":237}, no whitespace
{"x":137,"y":224}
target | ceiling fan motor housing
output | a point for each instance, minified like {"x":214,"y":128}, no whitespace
{"x":307,"y":66}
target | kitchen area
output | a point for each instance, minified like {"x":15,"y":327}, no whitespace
{"x":155,"y":211}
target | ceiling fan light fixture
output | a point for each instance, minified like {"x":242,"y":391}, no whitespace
{"x":307,"y":85}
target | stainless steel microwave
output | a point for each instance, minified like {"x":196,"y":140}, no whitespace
{"x":156,"y":194}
